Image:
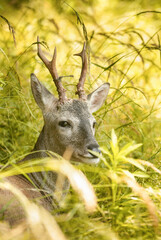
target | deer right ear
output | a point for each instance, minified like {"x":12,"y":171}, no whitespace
{"x":41,"y":95}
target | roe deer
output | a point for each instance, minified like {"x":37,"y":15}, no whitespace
{"x":67,"y":123}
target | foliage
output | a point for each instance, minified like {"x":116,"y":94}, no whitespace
{"x":124,"y":49}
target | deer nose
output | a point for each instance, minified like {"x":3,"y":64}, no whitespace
{"x":94,"y":148}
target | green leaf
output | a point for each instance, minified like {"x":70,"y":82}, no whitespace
{"x":141,"y":174}
{"x":130,"y":147}
{"x":114,"y":143}
{"x":135,"y":163}
{"x":105,"y":162}
{"x":105,"y":151}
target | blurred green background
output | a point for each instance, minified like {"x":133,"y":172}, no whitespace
{"x":123,"y":48}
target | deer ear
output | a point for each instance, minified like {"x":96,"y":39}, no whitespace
{"x":41,"y":95}
{"x":97,"y":97}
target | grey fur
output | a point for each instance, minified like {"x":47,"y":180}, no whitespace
{"x":78,"y":135}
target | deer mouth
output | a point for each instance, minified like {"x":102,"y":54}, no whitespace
{"x":88,"y":158}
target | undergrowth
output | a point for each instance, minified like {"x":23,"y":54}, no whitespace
{"x":123,"y":40}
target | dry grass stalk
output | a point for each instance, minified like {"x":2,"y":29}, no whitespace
{"x":78,"y":181}
{"x":61,"y":178}
{"x":6,"y":233}
{"x":141,"y":192}
{"x":76,"y":178}
{"x":41,"y":223}
{"x":148,"y":164}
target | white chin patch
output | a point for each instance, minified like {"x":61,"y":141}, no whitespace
{"x":90,"y":160}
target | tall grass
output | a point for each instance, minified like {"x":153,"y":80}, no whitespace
{"x":124,"y":49}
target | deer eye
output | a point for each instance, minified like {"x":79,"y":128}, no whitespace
{"x":64,"y":124}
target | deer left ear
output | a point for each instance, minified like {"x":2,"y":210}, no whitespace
{"x":98,"y":97}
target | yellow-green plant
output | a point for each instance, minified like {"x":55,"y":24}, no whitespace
{"x":121,"y":168}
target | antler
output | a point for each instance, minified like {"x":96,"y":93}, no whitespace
{"x":80,"y":85}
{"x":51,"y":66}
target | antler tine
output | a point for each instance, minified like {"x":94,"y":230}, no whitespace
{"x":80,"y":85}
{"x":51,"y":66}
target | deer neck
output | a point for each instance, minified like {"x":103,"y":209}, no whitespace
{"x":45,"y":181}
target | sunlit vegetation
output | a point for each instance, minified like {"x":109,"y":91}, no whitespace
{"x":123,"y":45}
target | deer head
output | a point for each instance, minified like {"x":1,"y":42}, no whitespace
{"x":68,"y":122}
